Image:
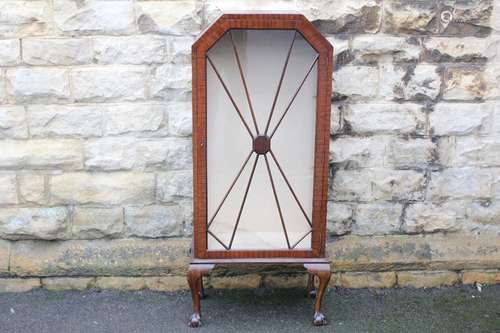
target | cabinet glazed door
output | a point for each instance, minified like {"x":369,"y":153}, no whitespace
{"x":261,"y":88}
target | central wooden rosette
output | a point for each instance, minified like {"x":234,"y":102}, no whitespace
{"x":262,"y":144}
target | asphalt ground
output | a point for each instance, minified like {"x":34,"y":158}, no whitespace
{"x":456,"y":309}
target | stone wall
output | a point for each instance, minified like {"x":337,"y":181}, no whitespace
{"x":95,"y":148}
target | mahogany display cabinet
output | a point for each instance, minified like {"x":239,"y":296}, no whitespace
{"x":261,"y":122}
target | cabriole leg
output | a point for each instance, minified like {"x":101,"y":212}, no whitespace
{"x":322,"y":271}
{"x":195,"y":280}
{"x":311,"y":288}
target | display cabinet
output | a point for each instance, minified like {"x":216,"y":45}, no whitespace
{"x":261,"y":120}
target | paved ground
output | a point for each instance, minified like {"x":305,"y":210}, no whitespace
{"x":459,"y":309}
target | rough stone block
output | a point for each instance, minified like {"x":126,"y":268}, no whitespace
{"x":469,"y":83}
{"x":460,"y":183}
{"x":408,"y":153}
{"x":8,"y":194}
{"x":427,"y":279}
{"x":180,"y":120}
{"x":65,"y":121}
{"x":124,"y":283}
{"x":410,"y":82}
{"x":377,"y":219}
{"x":24,"y":18}
{"x":463,"y":18}
{"x":131,"y":153}
{"x":484,"y":213}
{"x":34,"y":223}
{"x":495,"y":123}
{"x":102,"y":188}
{"x":92,"y":223}
{"x":166,"y":283}
{"x":72,"y":283}
{"x":368,"y":49}
{"x":344,"y":16}
{"x":385,"y":118}
{"x":10,"y":51}
{"x":378,"y":184}
{"x":56,"y":51}
{"x":367,"y":279}
{"x":18,"y":285}
{"x":354,"y":153}
{"x":38,"y":154}
{"x":418,"y":252}
{"x":3,"y":93}
{"x":339,"y":218}
{"x":38,"y":85}
{"x":4,"y":257}
{"x":456,"y":49}
{"x":133,"y":50}
{"x":174,"y":185}
{"x":179,"y":49}
{"x":470,"y":151}
{"x":153,"y":221}
{"x":460,"y":118}
{"x":346,"y":81}
{"x":484,"y":277}
{"x":99,"y":84}
{"x":121,"y":257}
{"x":336,"y":121}
{"x":134,"y":118}
{"x":31,"y":187}
{"x":433,"y":217}
{"x":288,"y":281}
{"x":410,"y":17}
{"x":94,"y":17}
{"x":13,"y":122}
{"x":172,"y":82}
{"x":169,"y":17}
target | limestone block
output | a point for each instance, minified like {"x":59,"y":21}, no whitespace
{"x":470,"y":83}
{"x":471,"y":18}
{"x":18,"y":285}
{"x":367,"y":49}
{"x":411,"y":82}
{"x":339,"y":218}
{"x":94,"y":17}
{"x":459,"y":49}
{"x":410,"y":17}
{"x":153,"y":221}
{"x":346,"y":81}
{"x":72,"y":283}
{"x":124,"y":283}
{"x":460,"y":118}
{"x":336,"y":121}
{"x":343,"y":16}
{"x":247,"y":281}
{"x":377,"y":219}
{"x":470,"y":151}
{"x":102,"y":188}
{"x":353,"y":152}
{"x":410,"y":153}
{"x":10,"y":51}
{"x":100,"y":84}
{"x":385,"y":118}
{"x":427,"y":279}
{"x":367,"y":279}
{"x":433,"y":217}
{"x":31,"y":187}
{"x":38,"y":154}
{"x":135,"y":118}
{"x":175,"y":185}
{"x":92,"y":223}
{"x":180,"y":120}
{"x":484,"y":277}
{"x":4,"y":256}
{"x":65,"y":121}
{"x":378,"y":184}
{"x":35,"y":85}
{"x":179,"y":49}
{"x":460,"y":183}
{"x":135,"y":50}
{"x":24,"y":18}
{"x":8,"y":194}
{"x":57,"y":51}
{"x":172,"y":82}
{"x":13,"y":122}
{"x":169,"y":17}
{"x":484,"y":212}
{"x":119,"y":257}
{"x":34,"y":223}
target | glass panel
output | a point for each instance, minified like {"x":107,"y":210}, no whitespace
{"x":260,"y":167}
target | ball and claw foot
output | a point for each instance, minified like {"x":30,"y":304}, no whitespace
{"x":312,"y":293}
{"x":195,"y":320}
{"x":319,"y":319}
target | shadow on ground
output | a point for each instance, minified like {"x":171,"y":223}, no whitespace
{"x":458,"y":309}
